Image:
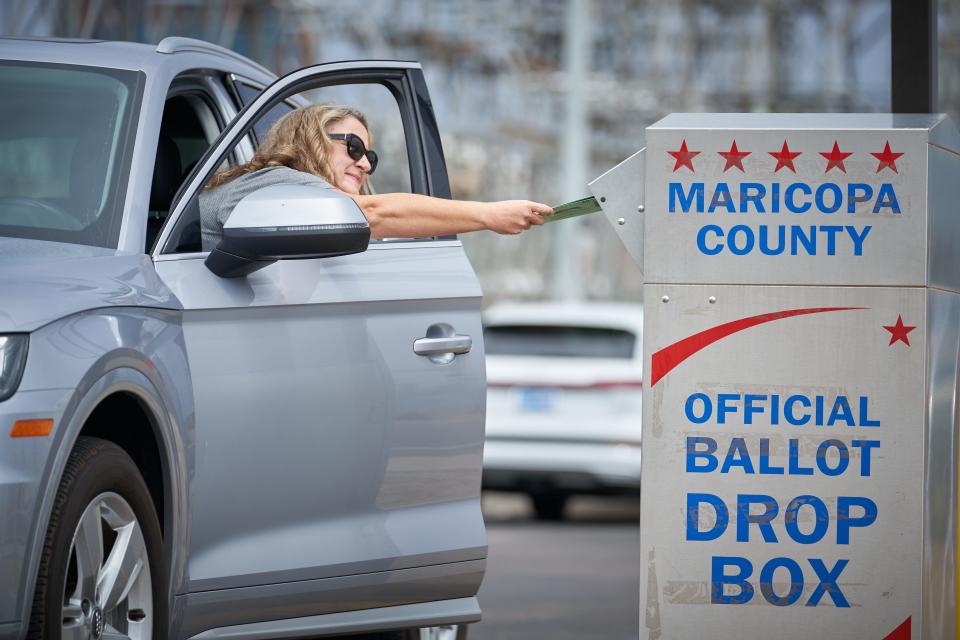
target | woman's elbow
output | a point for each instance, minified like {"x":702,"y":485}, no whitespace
{"x":377,"y":224}
{"x":373,"y":212}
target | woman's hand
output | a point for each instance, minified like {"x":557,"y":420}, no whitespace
{"x":514,"y":216}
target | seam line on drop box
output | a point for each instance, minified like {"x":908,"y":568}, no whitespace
{"x":942,"y":148}
{"x":664,"y":360}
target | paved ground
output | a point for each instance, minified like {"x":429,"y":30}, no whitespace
{"x":574,"y":580}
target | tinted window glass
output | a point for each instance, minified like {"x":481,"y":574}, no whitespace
{"x":561,"y":342}
{"x":64,"y":137}
{"x":182,"y":143}
{"x":247,"y":95}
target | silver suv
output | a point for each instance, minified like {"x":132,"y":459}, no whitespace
{"x":289,"y":449}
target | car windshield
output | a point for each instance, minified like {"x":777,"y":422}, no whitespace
{"x":64,"y":136}
{"x":558,"y":341}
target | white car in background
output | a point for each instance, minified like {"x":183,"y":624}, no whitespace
{"x":564,"y":398}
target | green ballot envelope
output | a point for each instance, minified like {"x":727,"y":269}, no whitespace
{"x":573,"y":209}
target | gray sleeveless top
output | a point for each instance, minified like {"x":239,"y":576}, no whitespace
{"x":217,"y":204}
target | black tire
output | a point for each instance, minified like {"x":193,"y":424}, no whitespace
{"x":549,"y":506}
{"x":94,"y":467}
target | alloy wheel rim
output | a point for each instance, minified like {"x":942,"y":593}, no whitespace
{"x":108,"y":594}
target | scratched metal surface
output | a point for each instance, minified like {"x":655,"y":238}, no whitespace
{"x":844,"y":352}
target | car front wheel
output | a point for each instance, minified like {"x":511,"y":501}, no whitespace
{"x":101,"y":569}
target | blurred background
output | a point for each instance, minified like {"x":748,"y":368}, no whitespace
{"x":535,"y":99}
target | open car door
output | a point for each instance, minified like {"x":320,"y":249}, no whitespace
{"x":337,"y":446}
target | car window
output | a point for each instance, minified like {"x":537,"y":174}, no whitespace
{"x":389,"y":140}
{"x":65,"y":140}
{"x":380,"y":107}
{"x":558,"y":341}
{"x":245,"y":93}
{"x":190,"y":124}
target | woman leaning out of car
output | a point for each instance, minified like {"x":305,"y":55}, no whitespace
{"x":329,"y":146}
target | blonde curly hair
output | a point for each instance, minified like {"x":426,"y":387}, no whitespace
{"x":299,"y":141}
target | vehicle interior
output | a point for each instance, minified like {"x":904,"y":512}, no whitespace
{"x":191,"y":123}
{"x":188,"y":127}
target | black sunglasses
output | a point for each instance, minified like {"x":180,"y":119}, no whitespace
{"x":356,"y":149}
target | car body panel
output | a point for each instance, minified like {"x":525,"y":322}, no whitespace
{"x":73,"y":364}
{"x":404,"y":616}
{"x":588,"y":399}
{"x":93,"y":53}
{"x":216,"y":612}
{"x":566,"y":423}
{"x":304,"y":334}
{"x":575,"y":466}
{"x":43,"y":281}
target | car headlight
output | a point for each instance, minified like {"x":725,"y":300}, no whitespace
{"x":13,"y":357}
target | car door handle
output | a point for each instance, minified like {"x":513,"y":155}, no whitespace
{"x":441,"y":346}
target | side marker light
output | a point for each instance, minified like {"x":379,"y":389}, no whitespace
{"x":31,"y":428}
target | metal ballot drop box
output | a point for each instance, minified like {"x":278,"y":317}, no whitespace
{"x":801,"y":346}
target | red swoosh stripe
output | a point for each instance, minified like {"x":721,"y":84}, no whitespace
{"x":666,"y":359}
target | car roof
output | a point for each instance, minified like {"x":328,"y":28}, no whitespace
{"x":618,"y":315}
{"x":135,"y":56}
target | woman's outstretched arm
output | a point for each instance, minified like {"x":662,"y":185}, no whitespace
{"x":410,"y":215}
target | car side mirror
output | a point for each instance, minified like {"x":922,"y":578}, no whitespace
{"x":288,"y":222}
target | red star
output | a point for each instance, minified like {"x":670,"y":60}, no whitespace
{"x":784,"y":158}
{"x":887,"y":158}
{"x":734,"y":157}
{"x":683,"y":157}
{"x":899,"y":331}
{"x":835,"y":158}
